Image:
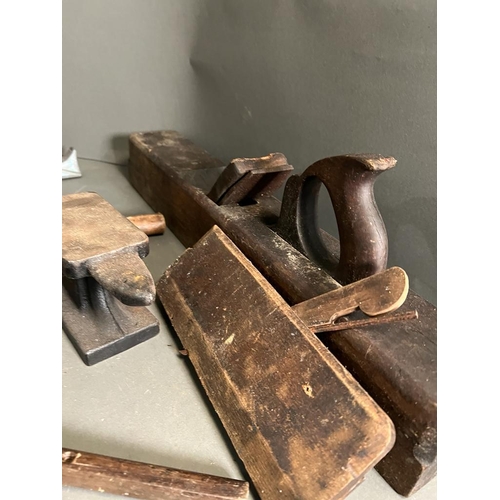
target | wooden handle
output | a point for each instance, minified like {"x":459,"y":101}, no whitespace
{"x":144,"y":481}
{"x":349,"y":180}
{"x":151,"y":224}
{"x":378,"y":294}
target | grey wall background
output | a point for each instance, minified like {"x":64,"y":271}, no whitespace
{"x":307,"y":78}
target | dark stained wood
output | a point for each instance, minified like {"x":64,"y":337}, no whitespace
{"x":402,"y":354}
{"x":378,"y":294}
{"x":151,"y":224}
{"x":349,"y":180}
{"x":155,"y":171}
{"x":396,"y":363}
{"x":303,"y":427}
{"x":359,"y":323}
{"x":144,"y":481}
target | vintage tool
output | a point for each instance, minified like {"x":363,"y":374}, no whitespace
{"x":303,"y":427}
{"x":144,"y":481}
{"x":150,"y":224}
{"x":105,"y":283}
{"x":395,"y":362}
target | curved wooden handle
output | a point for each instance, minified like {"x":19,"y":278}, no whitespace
{"x":349,"y":180}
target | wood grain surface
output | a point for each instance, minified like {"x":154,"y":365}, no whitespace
{"x":303,"y":427}
{"x":151,"y":224}
{"x":396,"y":363}
{"x":91,"y":228}
{"x":378,"y":294}
{"x":144,"y":481}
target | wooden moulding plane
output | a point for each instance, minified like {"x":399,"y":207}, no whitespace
{"x":395,"y":362}
{"x":303,"y":427}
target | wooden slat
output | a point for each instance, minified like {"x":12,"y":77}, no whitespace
{"x":144,"y":481}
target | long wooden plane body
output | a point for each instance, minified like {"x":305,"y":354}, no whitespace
{"x":302,"y":425}
{"x":395,"y":363}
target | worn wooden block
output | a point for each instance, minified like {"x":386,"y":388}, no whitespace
{"x":303,"y":427}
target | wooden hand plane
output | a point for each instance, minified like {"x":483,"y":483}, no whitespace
{"x":395,"y":363}
{"x":303,"y":427}
{"x":105,"y":282}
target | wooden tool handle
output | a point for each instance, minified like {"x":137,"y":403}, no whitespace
{"x":144,"y":481}
{"x":151,"y":224}
{"x":378,"y":294}
{"x":349,"y":180}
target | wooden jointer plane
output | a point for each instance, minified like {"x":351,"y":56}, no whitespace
{"x":394,"y":362}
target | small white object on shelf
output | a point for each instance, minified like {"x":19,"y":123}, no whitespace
{"x":70,"y":168}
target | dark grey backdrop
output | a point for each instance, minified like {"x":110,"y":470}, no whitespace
{"x":307,"y":78}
